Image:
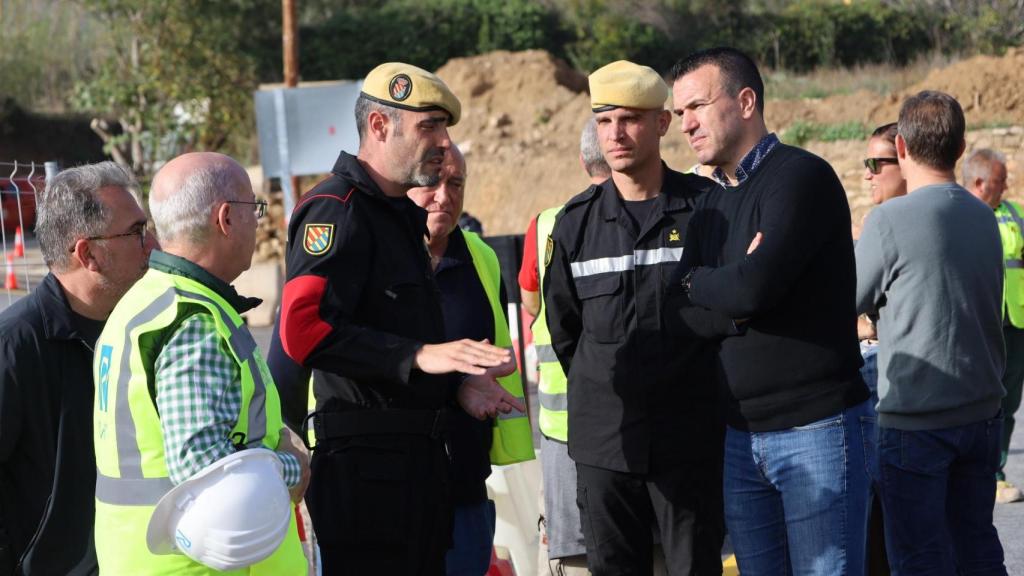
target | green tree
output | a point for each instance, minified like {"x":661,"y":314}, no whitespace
{"x":175,"y":75}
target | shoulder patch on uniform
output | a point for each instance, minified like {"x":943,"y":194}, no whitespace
{"x":549,"y":250}
{"x":318,"y":238}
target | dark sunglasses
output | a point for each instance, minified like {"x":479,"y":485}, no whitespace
{"x":874,"y":165}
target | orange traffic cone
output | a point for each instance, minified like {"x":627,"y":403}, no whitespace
{"x":11,"y":283}
{"x":19,"y":243}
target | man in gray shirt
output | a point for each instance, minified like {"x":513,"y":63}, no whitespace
{"x":930,"y":266}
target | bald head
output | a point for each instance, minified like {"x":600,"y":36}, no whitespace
{"x":188,"y":188}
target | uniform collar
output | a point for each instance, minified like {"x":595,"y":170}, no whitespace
{"x":672,"y":197}
{"x":179,"y":266}
{"x":348,"y":167}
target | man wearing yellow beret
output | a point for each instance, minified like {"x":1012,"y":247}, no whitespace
{"x":361,"y":308}
{"x":643,"y":428}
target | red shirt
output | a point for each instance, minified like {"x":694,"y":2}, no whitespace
{"x":529,"y":279}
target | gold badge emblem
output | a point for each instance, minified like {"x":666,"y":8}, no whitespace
{"x":549,"y":250}
{"x":673,"y":236}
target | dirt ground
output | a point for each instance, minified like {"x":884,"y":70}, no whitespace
{"x":522,"y":113}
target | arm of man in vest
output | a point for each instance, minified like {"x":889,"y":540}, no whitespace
{"x":316,"y":315}
{"x":199,"y":397}
{"x":796,"y":220}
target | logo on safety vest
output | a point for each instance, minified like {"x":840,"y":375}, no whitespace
{"x":105,"y":353}
{"x":400,"y":87}
{"x":318,"y":238}
{"x":673,"y":236}
{"x":549,"y":250}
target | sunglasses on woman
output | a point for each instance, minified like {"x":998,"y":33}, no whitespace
{"x":874,"y":165}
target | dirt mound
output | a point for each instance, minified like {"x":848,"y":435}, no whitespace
{"x":989,"y":88}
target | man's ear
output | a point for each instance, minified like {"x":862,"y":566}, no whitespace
{"x":664,"y":121}
{"x":901,"y":147}
{"x":378,"y":125}
{"x":222,"y":219}
{"x":82,"y":253}
{"x":748,"y":103}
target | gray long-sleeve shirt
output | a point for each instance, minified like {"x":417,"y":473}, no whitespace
{"x":929,"y":265}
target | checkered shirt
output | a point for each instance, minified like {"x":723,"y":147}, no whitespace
{"x":749,"y":163}
{"x":199,"y":396}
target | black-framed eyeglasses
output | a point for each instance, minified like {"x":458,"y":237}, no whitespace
{"x":874,"y":165}
{"x":259,"y":206}
{"x":137,"y":230}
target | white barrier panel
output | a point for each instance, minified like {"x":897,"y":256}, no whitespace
{"x":515,"y":490}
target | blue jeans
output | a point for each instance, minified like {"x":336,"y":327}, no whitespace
{"x":938,"y":490}
{"x":472,"y":540}
{"x":796,"y":500}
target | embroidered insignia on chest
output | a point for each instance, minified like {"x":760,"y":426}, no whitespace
{"x":549,"y":250}
{"x":673,"y":236}
{"x":318,"y":238}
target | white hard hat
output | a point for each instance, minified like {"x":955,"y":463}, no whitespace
{"x":232,"y":514}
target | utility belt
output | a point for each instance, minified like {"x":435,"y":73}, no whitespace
{"x":333,"y":425}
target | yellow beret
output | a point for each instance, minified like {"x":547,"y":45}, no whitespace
{"x":628,"y":85}
{"x":410,"y":88}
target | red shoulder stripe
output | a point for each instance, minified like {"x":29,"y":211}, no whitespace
{"x":331,"y":196}
{"x":301,"y":326}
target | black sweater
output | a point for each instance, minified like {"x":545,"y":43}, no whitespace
{"x":799,"y":360}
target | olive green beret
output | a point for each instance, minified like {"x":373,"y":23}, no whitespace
{"x":627,"y":85}
{"x":410,"y":88}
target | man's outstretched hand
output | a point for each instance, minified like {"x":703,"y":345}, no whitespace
{"x":482,"y":397}
{"x":466,"y":356}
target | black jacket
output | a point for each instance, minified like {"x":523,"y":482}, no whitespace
{"x":360,"y":299}
{"x":47,"y":463}
{"x":641,"y":396}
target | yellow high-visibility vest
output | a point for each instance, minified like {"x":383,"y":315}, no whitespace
{"x":131,"y":469}
{"x":553,"y":419}
{"x":512,"y":439}
{"x":1011,"y":229}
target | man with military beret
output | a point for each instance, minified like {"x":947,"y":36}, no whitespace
{"x":643,"y":428}
{"x":361,"y":309}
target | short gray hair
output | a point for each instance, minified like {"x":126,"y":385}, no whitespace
{"x":590,"y":151}
{"x":978,"y":164}
{"x":185,"y":213}
{"x":365,"y":105}
{"x":68,"y":209}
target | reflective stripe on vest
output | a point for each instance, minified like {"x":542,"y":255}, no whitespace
{"x":512,"y":438}
{"x":553,"y":417}
{"x":1011,"y":234}
{"x":131,"y":469}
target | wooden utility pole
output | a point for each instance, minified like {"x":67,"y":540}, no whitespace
{"x":290,"y":45}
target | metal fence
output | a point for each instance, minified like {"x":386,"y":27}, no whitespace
{"x":20,"y":182}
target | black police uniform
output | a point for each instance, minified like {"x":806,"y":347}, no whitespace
{"x":359,"y":302}
{"x":644,"y":428}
